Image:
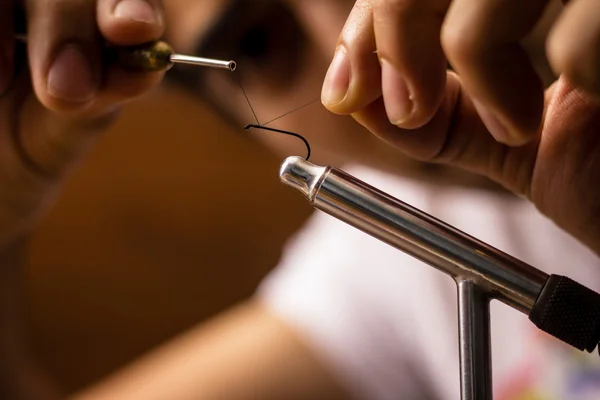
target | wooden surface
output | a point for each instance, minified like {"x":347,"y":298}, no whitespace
{"x":170,"y":219}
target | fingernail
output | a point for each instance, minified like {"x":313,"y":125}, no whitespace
{"x":493,"y":124}
{"x":70,"y":77}
{"x":337,"y":79}
{"x":396,"y":95}
{"x":136,"y":10}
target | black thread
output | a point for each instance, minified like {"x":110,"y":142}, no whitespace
{"x":247,"y":99}
{"x":293,"y":111}
{"x":258,"y":125}
{"x":285,"y":133}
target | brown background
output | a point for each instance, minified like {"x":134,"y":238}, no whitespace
{"x":172,"y":218}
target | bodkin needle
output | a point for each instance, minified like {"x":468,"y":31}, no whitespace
{"x":155,"y":56}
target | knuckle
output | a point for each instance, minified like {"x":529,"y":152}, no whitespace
{"x":356,"y":24}
{"x":580,"y":63}
{"x":460,"y":42}
{"x":558,"y":52}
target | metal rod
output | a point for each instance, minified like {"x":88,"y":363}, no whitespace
{"x":416,"y":233}
{"x":150,"y":53}
{"x":474,"y":342}
{"x":204,"y":62}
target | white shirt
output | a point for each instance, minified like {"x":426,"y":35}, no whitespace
{"x":386,"y":323}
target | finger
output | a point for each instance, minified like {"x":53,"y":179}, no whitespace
{"x":481,"y":41}
{"x":6,"y":44}
{"x":64,"y":52}
{"x":427,"y":143}
{"x":413,"y":64}
{"x":50,"y":143}
{"x":126,"y":23}
{"x":455,"y":136}
{"x":130,"y":22}
{"x":47,"y":145}
{"x":573,"y":47}
{"x":70,"y":26}
{"x":36,"y":148}
{"x":122,"y":86}
{"x":38,"y":144}
{"x":354,"y":76}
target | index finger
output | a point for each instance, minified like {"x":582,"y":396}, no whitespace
{"x":455,"y":136}
{"x":130,"y":22}
{"x":481,"y":40}
{"x":413,"y":65}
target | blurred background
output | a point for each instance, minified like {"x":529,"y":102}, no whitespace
{"x":160,"y":229}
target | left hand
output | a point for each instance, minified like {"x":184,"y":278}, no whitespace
{"x":62,"y":96}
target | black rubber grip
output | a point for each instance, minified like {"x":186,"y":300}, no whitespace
{"x":568,"y":311}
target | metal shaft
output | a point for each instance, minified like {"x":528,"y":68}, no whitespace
{"x":474,"y":342}
{"x":203,"y":62}
{"x":416,"y":233}
{"x":154,"y":56}
{"x":481,"y":271}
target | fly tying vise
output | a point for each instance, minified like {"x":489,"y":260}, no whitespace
{"x":556,"y":304}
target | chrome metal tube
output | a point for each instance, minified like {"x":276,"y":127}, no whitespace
{"x":415,"y":232}
{"x":203,"y":62}
{"x":474,"y":342}
{"x":150,"y":53}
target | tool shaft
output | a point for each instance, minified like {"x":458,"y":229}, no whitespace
{"x":415,"y":232}
{"x":203,"y":62}
{"x":474,"y":335}
{"x":154,"y":56}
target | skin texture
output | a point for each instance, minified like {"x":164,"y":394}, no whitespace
{"x":475,"y":121}
{"x":482,"y":42}
{"x":435,"y":115}
{"x":49,"y":118}
{"x":47,"y":122}
{"x":50,"y":113}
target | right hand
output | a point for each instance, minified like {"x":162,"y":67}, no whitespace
{"x":54,"y":103}
{"x":405,"y":96}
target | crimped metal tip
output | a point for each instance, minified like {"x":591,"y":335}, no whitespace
{"x":302,"y":175}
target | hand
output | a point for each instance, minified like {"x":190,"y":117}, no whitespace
{"x":54,"y":103}
{"x":438,"y":116}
